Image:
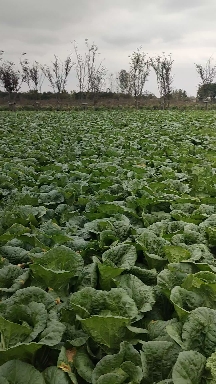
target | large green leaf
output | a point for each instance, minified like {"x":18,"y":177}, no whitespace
{"x":88,"y":277}
{"x":174,"y":330}
{"x":155,"y":261}
{"x":204,"y":282}
{"x":75,"y":337}
{"x":107,"y":238}
{"x":188,"y":368}
{"x":16,"y":230}
{"x":134,"y":372}
{"x":176,"y":254}
{"x":12,"y":333}
{"x":198,"y":290}
{"x":87,"y":301}
{"x":158,"y":358}
{"x":12,"y":278}
{"x":99,"y":225}
{"x":54,"y":375}
{"x":173,"y":276}
{"x":199,"y":331}
{"x":123,"y":366}
{"x":51,"y":234}
{"x":52,"y":334}
{"x":90,"y":301}
{"x":134,"y":334}
{"x":142,"y":294}
{"x":158,"y":330}
{"x":56,"y":280}
{"x":61,"y":258}
{"x":33,"y":315}
{"x":108,"y":330}
{"x":16,"y":255}
{"x":26,"y":296}
{"x":167,"y":280}
{"x":113,"y":378}
{"x":24,"y":351}
{"x":152,"y":244}
{"x":185,"y":301}
{"x":118,"y":302}
{"x":147,"y":276}
{"x":17,"y":372}
{"x":57,"y":266}
{"x":122,"y":256}
{"x":51,"y":198}
{"x":83,"y":364}
{"x":107,"y":274}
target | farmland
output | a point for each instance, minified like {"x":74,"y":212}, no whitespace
{"x":107,"y":247}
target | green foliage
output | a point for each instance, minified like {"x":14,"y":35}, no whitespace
{"x":207,"y":90}
{"x":17,"y":372}
{"x":107,"y":248}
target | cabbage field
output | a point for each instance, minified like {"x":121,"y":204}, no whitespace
{"x":108,"y":247}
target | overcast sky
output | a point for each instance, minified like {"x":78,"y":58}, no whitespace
{"x":42,"y":28}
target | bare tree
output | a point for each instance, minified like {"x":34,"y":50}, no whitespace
{"x":11,"y":78}
{"x":139,"y":72}
{"x":81,"y":69}
{"x":111,"y":83}
{"x":162,"y":66}
{"x":96,"y":73}
{"x":58,"y":74}
{"x":33,"y":75}
{"x":206,"y":73}
{"x":90,"y":74}
{"x":124,"y":81}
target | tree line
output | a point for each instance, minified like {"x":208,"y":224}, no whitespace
{"x":92,"y":78}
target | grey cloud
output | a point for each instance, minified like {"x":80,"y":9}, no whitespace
{"x":39,"y":37}
{"x":42,"y":13}
{"x":182,"y":6}
{"x":165,"y":34}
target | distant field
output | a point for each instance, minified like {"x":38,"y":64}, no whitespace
{"x":108,"y":246}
